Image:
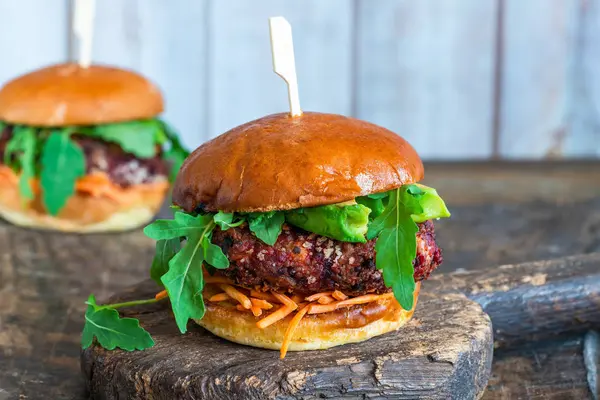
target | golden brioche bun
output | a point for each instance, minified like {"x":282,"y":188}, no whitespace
{"x":83,"y":213}
{"x":281,"y":162}
{"x":67,"y":94}
{"x":315,"y":332}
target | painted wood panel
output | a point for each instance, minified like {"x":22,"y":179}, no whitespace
{"x":166,"y":42}
{"x":426,"y":71}
{"x":583,"y":139}
{"x":33,"y":34}
{"x":538,"y":89}
{"x":242,"y":85}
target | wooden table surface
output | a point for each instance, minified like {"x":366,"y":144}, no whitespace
{"x":501,"y":213}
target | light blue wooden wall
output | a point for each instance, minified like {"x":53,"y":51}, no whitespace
{"x":460,"y":79}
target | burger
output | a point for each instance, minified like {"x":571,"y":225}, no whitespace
{"x":83,"y":149}
{"x":298,"y":233}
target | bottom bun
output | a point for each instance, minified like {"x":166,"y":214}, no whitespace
{"x":83,"y":212}
{"x":315,"y":331}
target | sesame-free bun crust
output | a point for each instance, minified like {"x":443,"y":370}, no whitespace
{"x":280,"y":162}
{"x":83,"y":213}
{"x":315,"y":332}
{"x":67,"y":94}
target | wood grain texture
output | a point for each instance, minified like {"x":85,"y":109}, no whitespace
{"x":444,"y":352}
{"x":27,"y":38}
{"x":425,"y":70}
{"x":167,"y":43}
{"x":242,"y":85}
{"x":533,"y":301}
{"x":548,"y":104}
{"x":525,"y":372}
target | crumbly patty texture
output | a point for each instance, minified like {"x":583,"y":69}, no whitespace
{"x":305,"y":262}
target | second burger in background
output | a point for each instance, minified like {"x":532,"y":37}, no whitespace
{"x":82,"y":149}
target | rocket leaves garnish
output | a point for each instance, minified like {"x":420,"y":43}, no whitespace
{"x":184,"y":279}
{"x":165,"y":251}
{"x":63,"y":162}
{"x":266,"y":226}
{"x":139,"y":138}
{"x":104,"y":323}
{"x":20,"y":152}
{"x":52,"y":155}
{"x":396,"y":244}
{"x":225,"y":220}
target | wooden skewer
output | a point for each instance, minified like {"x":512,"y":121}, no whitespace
{"x":284,"y":63}
{"x":83,"y":28}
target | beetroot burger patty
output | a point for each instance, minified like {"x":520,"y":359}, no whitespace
{"x":308,"y":263}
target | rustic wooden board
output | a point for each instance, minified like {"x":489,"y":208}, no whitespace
{"x":446,"y":351}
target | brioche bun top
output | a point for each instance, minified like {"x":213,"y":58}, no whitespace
{"x":280,"y":162}
{"x":67,"y":94}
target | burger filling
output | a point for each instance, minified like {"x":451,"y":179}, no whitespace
{"x":300,"y":262}
{"x":123,"y":154}
{"x":305,"y":263}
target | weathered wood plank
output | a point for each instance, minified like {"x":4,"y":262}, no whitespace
{"x":33,"y":34}
{"x":166,"y":42}
{"x":542,"y":81}
{"x":533,"y":301}
{"x":242,"y":85}
{"x":426,"y":71}
{"x":546,"y":371}
{"x":445,"y":352}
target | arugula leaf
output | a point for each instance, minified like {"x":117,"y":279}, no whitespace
{"x":266,"y":226}
{"x":20,"y":152}
{"x":182,"y":225}
{"x":214,"y":255}
{"x":184,"y":279}
{"x":378,"y":196}
{"x":139,"y":138}
{"x":396,"y":246}
{"x":347,"y":223}
{"x":225,"y":220}
{"x":184,"y":282}
{"x":112,"y":331}
{"x":165,"y":251}
{"x":62,"y":163}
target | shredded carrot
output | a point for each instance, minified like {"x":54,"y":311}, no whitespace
{"x":263,"y":296}
{"x":325,"y":300}
{"x":364,"y":299}
{"x":275,"y":316}
{"x":9,"y":174}
{"x":161,"y":295}
{"x":237,"y":295}
{"x":317,"y":296}
{"x":219,"y":297}
{"x":262,"y":304}
{"x":338,"y":295}
{"x":289,"y":332}
{"x":240,"y":307}
{"x":256,"y":311}
{"x":322,"y":308}
{"x":297,"y":298}
{"x":285,"y":300}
